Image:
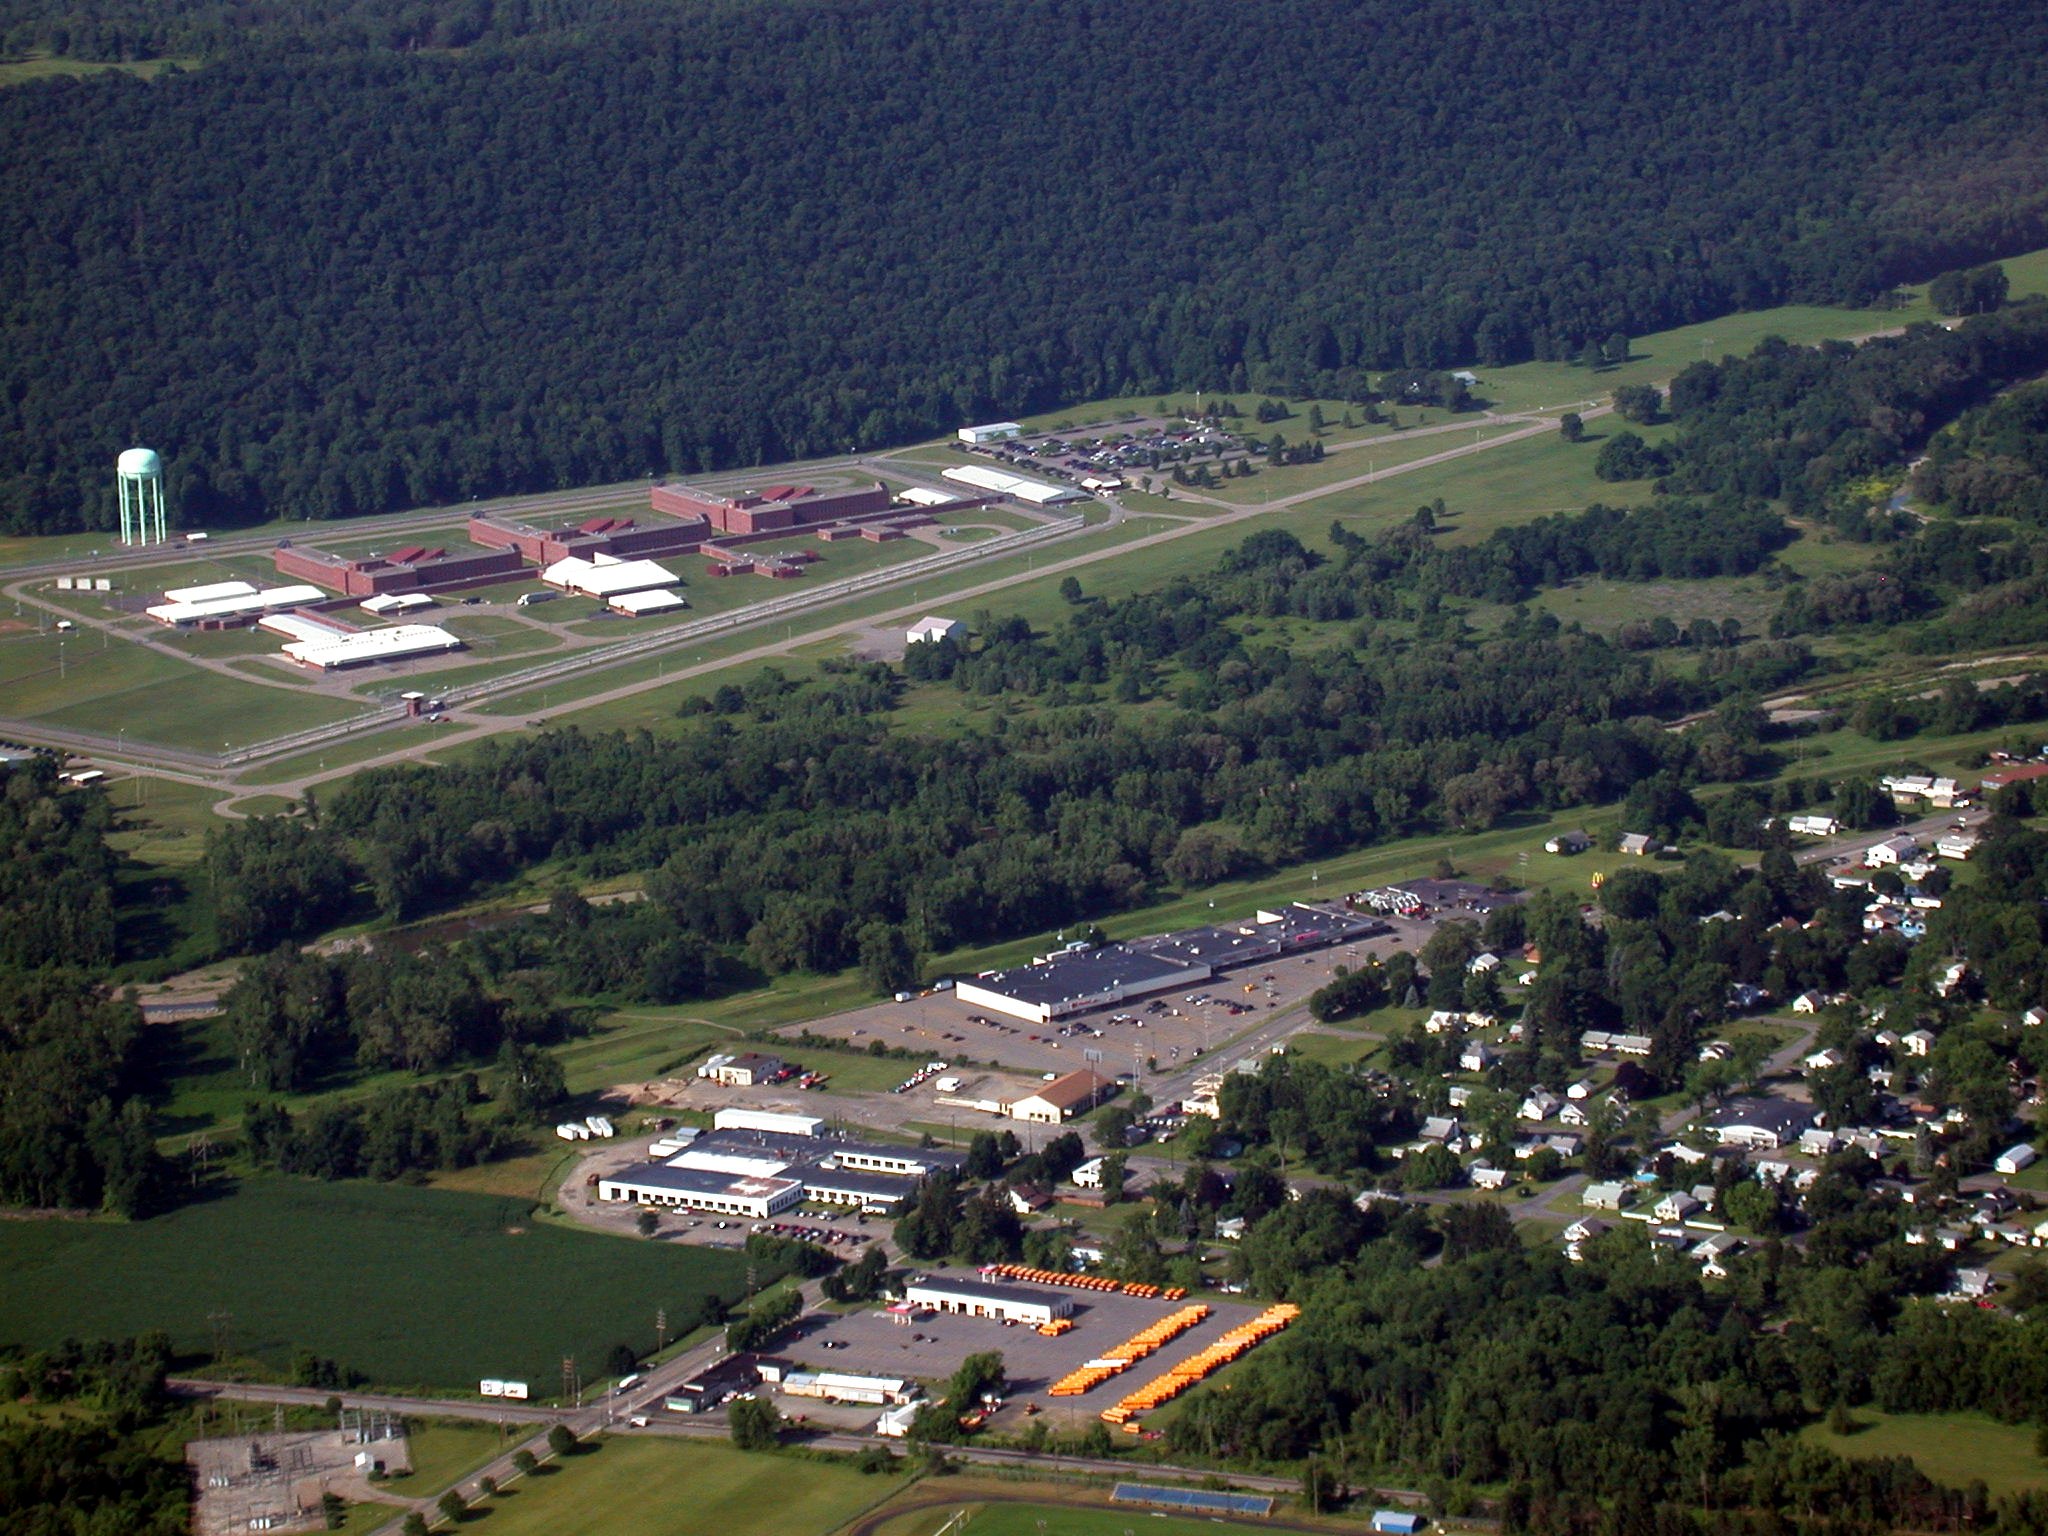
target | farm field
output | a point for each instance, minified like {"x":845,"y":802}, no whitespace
{"x":412,"y":1287}
{"x":1952,"y":1448}
{"x":634,"y":1486}
{"x":1044,"y":1519}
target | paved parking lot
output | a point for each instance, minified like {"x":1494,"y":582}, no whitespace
{"x":874,"y":1343}
{"x":1171,"y":1030}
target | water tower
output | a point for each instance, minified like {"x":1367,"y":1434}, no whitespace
{"x":141,"y":476}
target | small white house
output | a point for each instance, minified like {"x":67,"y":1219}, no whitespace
{"x":1478,"y":1057}
{"x":1809,"y":1002}
{"x":1917,"y":1042}
{"x":1541,"y":1104}
{"x":1607,"y":1197}
{"x":1484,"y":1176}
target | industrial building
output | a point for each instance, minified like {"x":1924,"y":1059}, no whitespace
{"x":845,"y":1387}
{"x":767,"y":1120}
{"x":702,"y":1189}
{"x":756,"y":1172}
{"x":1077,"y":980}
{"x":1037,"y":492}
{"x":932,"y":627}
{"x":990,"y":432}
{"x":777,"y":507}
{"x":743,"y":1069}
{"x":982,"y":1298}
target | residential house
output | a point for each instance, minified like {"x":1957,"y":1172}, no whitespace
{"x":1917,"y":1042}
{"x":1478,"y":1057}
{"x":1639,"y":845}
{"x":1676,"y":1206}
{"x":1613,"y":1195}
{"x":1540,"y":1105}
{"x":1890,"y":853}
{"x":1569,"y":843}
{"x":1485,"y":1176}
{"x":1809,"y":1002}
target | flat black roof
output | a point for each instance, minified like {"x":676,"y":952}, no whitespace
{"x":1086,"y":973}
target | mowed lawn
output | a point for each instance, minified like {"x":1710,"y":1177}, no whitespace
{"x":1952,"y":1448}
{"x":650,"y":1487}
{"x":411,"y":1287}
{"x":109,"y":685}
{"x":1047,"y":1519}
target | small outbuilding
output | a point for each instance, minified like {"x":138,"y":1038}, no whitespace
{"x":932,"y":627}
{"x":1396,"y":1522}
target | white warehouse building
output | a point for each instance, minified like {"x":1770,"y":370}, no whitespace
{"x":981,"y":1298}
{"x":991,"y":432}
{"x":932,"y":627}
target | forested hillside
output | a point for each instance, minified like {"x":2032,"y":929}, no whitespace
{"x":369,"y":256}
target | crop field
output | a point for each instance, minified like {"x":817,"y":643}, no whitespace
{"x":412,"y":1287}
{"x":1952,"y":1448}
{"x":43,"y":66}
{"x":643,"y":1486}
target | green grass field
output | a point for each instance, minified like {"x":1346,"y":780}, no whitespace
{"x":633,"y":1486}
{"x":95,"y":684}
{"x":411,"y":1287}
{"x":1951,"y":1448}
{"x":1047,"y":1520}
{"x":443,"y":1450}
{"x":43,"y":66}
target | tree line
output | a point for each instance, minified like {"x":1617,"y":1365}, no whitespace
{"x":623,"y":272}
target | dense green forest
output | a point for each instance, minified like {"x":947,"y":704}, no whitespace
{"x":371,"y":255}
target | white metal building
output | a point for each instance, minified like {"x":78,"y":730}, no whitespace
{"x":394,"y":644}
{"x":932,"y":627}
{"x":606,"y":575}
{"x":209,"y":592}
{"x":1037,"y":492}
{"x":229,"y":605}
{"x":396,"y":602}
{"x":652,"y":600}
{"x":981,"y":1298}
{"x":991,"y":432}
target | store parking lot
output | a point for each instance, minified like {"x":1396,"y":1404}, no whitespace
{"x":1160,"y":1034}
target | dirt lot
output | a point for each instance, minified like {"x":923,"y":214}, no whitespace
{"x":875,"y":1344}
